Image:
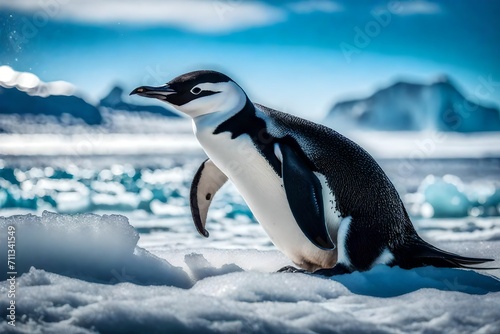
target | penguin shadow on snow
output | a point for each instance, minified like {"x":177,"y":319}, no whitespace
{"x":384,"y":281}
{"x":381,"y":281}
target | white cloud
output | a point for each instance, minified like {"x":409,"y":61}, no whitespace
{"x":415,"y":7}
{"x":310,"y":6}
{"x":203,"y":16}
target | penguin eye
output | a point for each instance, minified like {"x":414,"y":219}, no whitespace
{"x":196,"y":90}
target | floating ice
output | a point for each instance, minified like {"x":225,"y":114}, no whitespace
{"x":115,"y":202}
{"x":449,"y":197}
{"x":72,"y":202}
{"x":445,"y":195}
{"x":3,"y":197}
{"x":165,"y":192}
{"x":164,"y":209}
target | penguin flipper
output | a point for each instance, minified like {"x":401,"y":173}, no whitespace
{"x":206,"y":182}
{"x":304,"y":194}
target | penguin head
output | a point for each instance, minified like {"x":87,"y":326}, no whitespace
{"x":198,"y":93}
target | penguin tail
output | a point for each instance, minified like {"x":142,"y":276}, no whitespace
{"x":419,"y":253}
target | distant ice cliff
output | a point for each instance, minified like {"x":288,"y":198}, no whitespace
{"x":405,"y":106}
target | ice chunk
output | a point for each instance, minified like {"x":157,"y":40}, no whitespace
{"x":445,"y":195}
{"x":121,"y":202}
{"x":170,"y":210}
{"x":162,"y":177}
{"x":87,"y":246}
{"x":449,"y":197}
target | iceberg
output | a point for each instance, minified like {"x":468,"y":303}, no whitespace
{"x":406,"y":106}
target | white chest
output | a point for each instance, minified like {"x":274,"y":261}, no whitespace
{"x":262,"y":189}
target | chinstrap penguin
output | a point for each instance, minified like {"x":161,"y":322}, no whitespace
{"x":321,"y":198}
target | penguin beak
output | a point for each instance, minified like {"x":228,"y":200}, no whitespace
{"x":160,"y":92}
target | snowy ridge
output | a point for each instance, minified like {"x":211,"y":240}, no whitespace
{"x":88,"y":246}
{"x":31,"y":84}
{"x":29,"y":105}
{"x":233,"y":291}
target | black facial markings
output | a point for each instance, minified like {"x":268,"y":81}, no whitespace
{"x":183,"y":97}
{"x":184,"y":84}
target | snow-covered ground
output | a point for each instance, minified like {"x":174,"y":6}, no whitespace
{"x":140,"y":267}
{"x":85,"y":274}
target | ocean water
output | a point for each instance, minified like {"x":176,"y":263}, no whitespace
{"x":154,"y":189}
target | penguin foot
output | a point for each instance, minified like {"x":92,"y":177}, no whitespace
{"x":338,"y":269}
{"x":290,"y":269}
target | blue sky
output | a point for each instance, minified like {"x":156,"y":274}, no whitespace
{"x":299,"y":56}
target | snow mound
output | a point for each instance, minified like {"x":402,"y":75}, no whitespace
{"x":88,"y":246}
{"x":245,"y":302}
